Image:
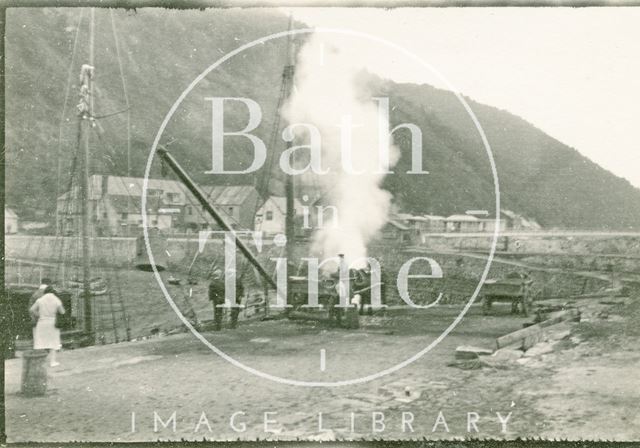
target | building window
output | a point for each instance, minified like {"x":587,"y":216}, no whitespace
{"x":230,"y":211}
{"x":104,"y":215}
{"x":189,"y":210}
{"x":123,"y":216}
{"x":269,"y":215}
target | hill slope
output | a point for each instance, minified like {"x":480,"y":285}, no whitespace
{"x":162,"y":51}
{"x":538,"y":175}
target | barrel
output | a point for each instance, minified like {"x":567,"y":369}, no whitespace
{"x":34,"y":373}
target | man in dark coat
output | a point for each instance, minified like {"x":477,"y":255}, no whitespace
{"x":216,"y":295}
{"x":239,"y":294}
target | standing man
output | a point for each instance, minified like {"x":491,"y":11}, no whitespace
{"x":239,"y":295}
{"x":216,"y":295}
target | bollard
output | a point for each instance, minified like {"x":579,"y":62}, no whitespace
{"x":34,"y":373}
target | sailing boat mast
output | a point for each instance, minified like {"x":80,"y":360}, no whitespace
{"x":85,"y":122}
{"x":289,"y":187}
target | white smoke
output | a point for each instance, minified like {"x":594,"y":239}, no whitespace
{"x":326,"y":90}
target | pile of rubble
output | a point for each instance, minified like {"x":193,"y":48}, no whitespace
{"x":554,"y":321}
{"x":534,"y":339}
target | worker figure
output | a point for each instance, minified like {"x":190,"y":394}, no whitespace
{"x":341,"y":290}
{"x":239,"y":295}
{"x":216,"y":295}
{"x":343,"y":279}
{"x":335,"y":310}
{"x":351,"y":314}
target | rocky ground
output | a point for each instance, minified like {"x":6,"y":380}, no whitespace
{"x":582,"y":383}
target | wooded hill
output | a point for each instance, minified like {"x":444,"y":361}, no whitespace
{"x":162,"y":51}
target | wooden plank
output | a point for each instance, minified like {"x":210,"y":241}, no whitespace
{"x":532,"y":339}
{"x":535,"y":333}
{"x":559,"y":316}
{"x":519,"y":335}
{"x":471,"y":352}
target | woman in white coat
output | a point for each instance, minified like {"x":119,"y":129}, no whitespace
{"x":45,"y":333}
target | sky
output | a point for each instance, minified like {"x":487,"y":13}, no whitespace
{"x":572,"y":72}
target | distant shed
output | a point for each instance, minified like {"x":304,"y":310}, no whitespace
{"x":394,"y":230}
{"x":463,"y":224}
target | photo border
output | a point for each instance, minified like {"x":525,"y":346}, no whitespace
{"x":205,"y":4}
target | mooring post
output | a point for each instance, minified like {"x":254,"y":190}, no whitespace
{"x":34,"y":373}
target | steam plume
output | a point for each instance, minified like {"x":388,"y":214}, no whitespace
{"x":326,"y":90}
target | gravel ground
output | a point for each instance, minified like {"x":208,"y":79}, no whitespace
{"x":568,"y":392}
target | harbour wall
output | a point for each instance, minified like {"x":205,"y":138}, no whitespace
{"x":120,"y":251}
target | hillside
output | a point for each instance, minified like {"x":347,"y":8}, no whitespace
{"x":163,"y":51}
{"x":538,"y":175}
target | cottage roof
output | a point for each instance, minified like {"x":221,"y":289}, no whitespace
{"x":403,"y":216}
{"x":508,"y":213}
{"x":133,"y":186}
{"x":461,"y":218}
{"x":228,"y":194}
{"x":398,"y":225}
{"x":425,"y":218}
{"x":127,"y":186}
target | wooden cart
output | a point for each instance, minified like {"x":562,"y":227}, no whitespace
{"x":514,"y":289}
